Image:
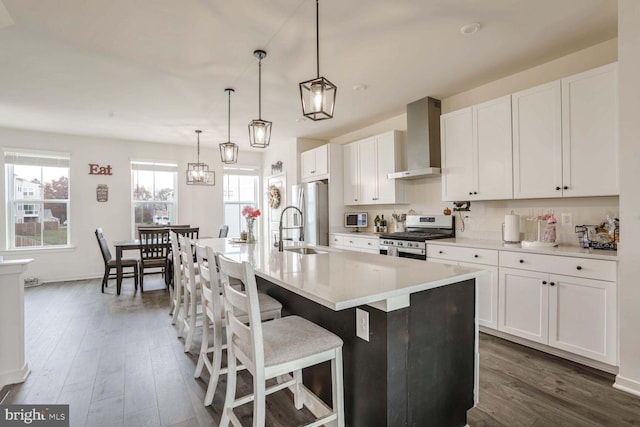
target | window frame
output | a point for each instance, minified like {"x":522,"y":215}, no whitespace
{"x":240,"y":170}
{"x":16,"y":201}
{"x":153,"y":166}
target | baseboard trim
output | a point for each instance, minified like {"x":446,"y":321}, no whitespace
{"x":628,"y":385}
{"x":551,"y":350}
{"x":14,"y":377}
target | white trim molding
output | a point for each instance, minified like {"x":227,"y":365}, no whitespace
{"x":627,"y":384}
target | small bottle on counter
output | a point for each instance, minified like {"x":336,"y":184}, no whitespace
{"x":376,"y":223}
{"x":383,"y":224}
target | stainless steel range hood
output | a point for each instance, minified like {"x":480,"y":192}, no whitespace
{"x":423,"y":140}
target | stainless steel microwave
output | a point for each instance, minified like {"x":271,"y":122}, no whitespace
{"x":355,"y":220}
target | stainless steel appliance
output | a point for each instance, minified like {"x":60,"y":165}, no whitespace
{"x":312,"y":199}
{"x":420,"y":228}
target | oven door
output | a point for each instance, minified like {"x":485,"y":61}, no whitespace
{"x":412,"y":253}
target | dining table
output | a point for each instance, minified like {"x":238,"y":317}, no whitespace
{"x":121,"y":246}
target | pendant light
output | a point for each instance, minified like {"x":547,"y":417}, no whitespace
{"x":199,"y":173}
{"x":259,"y":130}
{"x":229,"y":150}
{"x":318,"y":95}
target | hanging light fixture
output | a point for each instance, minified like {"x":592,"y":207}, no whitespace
{"x":199,"y":173}
{"x":259,"y":130}
{"x":318,"y":95}
{"x":229,"y":150}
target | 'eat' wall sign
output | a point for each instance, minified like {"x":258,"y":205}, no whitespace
{"x":96,"y":169}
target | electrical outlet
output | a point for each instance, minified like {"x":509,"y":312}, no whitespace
{"x":567,"y":219}
{"x":467,"y":218}
{"x":362,"y":324}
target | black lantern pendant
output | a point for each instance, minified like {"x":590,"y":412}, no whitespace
{"x":229,"y":150}
{"x":318,"y":95}
{"x":259,"y":130}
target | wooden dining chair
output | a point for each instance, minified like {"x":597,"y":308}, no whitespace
{"x":110,"y":263}
{"x":154,"y":249}
{"x":272,"y":349}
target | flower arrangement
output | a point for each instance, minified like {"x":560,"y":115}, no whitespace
{"x":250,"y":214}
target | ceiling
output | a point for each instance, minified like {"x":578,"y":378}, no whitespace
{"x":157,"y":70}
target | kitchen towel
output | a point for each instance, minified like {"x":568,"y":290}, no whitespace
{"x":511,"y":233}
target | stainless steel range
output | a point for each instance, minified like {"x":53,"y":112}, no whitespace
{"x":420,"y":228}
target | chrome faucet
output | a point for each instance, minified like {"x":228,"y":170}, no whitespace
{"x":280,"y":227}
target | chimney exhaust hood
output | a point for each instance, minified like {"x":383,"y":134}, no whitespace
{"x":423,"y":140}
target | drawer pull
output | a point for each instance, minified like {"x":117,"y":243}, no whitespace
{"x":521,"y":261}
{"x":565,"y":187}
{"x":476,"y":256}
{"x":544,"y":282}
{"x":558,"y":188}
{"x":552,"y":283}
{"x":440,"y":252}
{"x":369,"y":243}
{"x":578,"y":268}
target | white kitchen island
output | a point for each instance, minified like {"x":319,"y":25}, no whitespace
{"x":420,"y":364}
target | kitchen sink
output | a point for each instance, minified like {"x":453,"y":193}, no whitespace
{"x":305,"y":251}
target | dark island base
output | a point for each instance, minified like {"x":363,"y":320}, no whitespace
{"x":417,"y":368}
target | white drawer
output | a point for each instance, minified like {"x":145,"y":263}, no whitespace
{"x":336,"y":240}
{"x":569,"y":266}
{"x":462,"y":254}
{"x":371,"y":243}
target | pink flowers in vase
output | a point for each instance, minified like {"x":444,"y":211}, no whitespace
{"x":249,"y":212}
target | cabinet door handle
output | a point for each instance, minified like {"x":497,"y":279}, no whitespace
{"x":475,"y":192}
{"x":476,"y":256}
{"x":369,"y":243}
{"x":521,"y":261}
{"x":565,"y":187}
{"x":558,"y":189}
{"x":440,"y":252}
{"x":544,"y":282}
{"x":470,"y":193}
{"x":552,"y":283}
{"x":578,"y":268}
{"x":313,"y":171}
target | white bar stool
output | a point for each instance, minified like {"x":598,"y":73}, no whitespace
{"x":213,"y":317}
{"x":177,"y":300}
{"x":191,"y":288}
{"x":273,"y":349}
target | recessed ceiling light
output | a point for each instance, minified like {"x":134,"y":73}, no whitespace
{"x":468,"y":29}
{"x":360,"y":87}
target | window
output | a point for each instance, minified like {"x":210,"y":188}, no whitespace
{"x":240,"y":189}
{"x":153,"y":193}
{"x":37,"y":199}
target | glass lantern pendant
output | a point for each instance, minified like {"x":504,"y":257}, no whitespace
{"x":199,"y":173}
{"x":229,"y":150}
{"x":259,"y":130}
{"x":318,"y":95}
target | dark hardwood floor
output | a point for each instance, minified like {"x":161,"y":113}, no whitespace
{"x":118,"y":362}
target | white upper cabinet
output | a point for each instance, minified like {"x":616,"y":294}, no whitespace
{"x":315,"y":164}
{"x":590,"y":133}
{"x":563,"y":132}
{"x":456,"y":139}
{"x":366,"y":165}
{"x":537,"y":142}
{"x":476,"y":152}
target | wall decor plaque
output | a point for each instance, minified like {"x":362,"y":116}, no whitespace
{"x":102,"y":193}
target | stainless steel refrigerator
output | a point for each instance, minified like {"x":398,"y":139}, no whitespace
{"x":312,"y":199}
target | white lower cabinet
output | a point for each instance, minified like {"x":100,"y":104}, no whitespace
{"x":574,"y":314}
{"x":487,"y":284}
{"x":369,"y":244}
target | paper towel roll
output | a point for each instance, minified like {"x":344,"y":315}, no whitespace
{"x":511,"y":228}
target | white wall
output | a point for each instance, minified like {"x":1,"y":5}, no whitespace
{"x":629,"y":250}
{"x":197,"y":205}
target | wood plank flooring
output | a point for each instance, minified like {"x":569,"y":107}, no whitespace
{"x":118,"y":362}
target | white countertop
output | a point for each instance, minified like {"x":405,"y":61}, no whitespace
{"x":343,"y":279}
{"x":357,"y":234}
{"x":562,"y":250}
